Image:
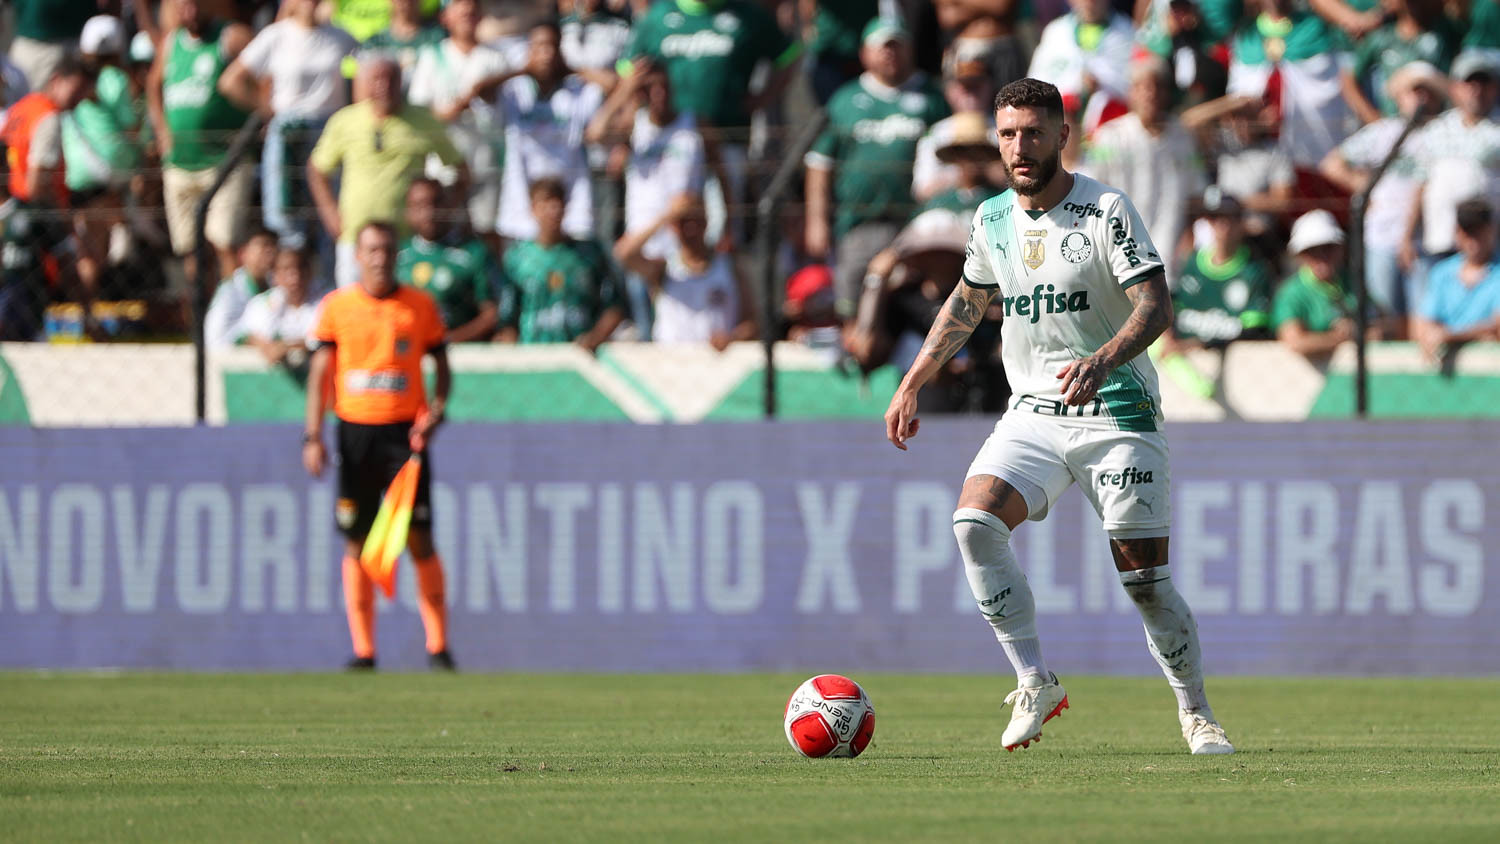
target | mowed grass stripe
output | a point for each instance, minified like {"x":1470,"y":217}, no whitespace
{"x":388,"y":757}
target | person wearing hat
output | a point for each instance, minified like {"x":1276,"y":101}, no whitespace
{"x":1421,"y":31}
{"x":969,"y":149}
{"x":1224,"y":291}
{"x":98,"y":140}
{"x":1455,"y":156}
{"x":860,"y":168}
{"x":1462,"y":301}
{"x":902,"y":297}
{"x":1417,"y":89}
{"x":968,"y":88}
{"x":1313,"y":312}
{"x":834,"y":45}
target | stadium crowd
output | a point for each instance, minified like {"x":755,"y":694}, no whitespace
{"x":583,"y":170}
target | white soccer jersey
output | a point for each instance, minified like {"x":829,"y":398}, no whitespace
{"x":1062,"y":278}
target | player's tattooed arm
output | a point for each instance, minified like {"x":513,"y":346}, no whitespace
{"x":960,"y":315}
{"x":1151,"y":314}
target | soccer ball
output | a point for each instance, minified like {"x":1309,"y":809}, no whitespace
{"x":829,"y":715}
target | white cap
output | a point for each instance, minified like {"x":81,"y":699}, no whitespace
{"x":1315,"y":228}
{"x":142,"y":48}
{"x":102,"y":35}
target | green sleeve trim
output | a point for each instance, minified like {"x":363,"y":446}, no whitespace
{"x":791,"y":54}
{"x":1137,"y":279}
{"x":980,"y":286}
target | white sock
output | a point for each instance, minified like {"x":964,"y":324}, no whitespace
{"x":1171,"y":634}
{"x":1000,"y":588}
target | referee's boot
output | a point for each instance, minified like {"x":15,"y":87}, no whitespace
{"x":360,"y":663}
{"x":441,"y":661}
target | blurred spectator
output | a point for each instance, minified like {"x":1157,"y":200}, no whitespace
{"x":39,"y":242}
{"x":987,"y":32}
{"x":302,"y":63}
{"x":1293,"y":58}
{"x":46,"y":32}
{"x":194,"y":125}
{"x":13,"y":84}
{"x":455,"y":269}
{"x":1462,"y":301}
{"x":1176,"y":31}
{"x":1148,"y":155}
{"x":666,"y":158}
{"x":366,"y":19}
{"x":700,"y":296}
{"x":808,"y":307}
{"x":406,"y":39}
{"x":1417,"y":88}
{"x":450,"y":79}
{"x":1086,"y":50}
{"x":593,"y":35}
{"x":902,"y":295}
{"x":1313,"y":312}
{"x":557,"y":289}
{"x":710,"y":48}
{"x":1420,"y":32}
{"x":545,"y":111}
{"x":1484,"y":24}
{"x":831,"y":33}
{"x":379,"y":145}
{"x":222,"y":324}
{"x":862,"y":162}
{"x":99,"y":134}
{"x":1457,"y":156}
{"x":279,"y":321}
{"x":971,"y":149}
{"x":1223,"y":292}
{"x":1239,"y":133}
{"x":968,"y":91}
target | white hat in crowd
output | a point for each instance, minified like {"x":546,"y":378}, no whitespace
{"x":1315,"y":228}
{"x":102,"y":35}
{"x":1474,"y":61}
{"x":142,"y":48}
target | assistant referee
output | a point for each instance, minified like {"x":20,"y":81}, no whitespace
{"x":371,"y":338}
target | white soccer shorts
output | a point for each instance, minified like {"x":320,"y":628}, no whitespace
{"x":1125,"y":475}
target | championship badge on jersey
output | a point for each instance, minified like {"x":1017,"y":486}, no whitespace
{"x":1035,"y":251}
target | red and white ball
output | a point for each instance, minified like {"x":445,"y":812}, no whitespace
{"x":829,"y":715}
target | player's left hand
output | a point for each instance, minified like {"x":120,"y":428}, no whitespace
{"x":1081,"y":380}
{"x":422,"y":428}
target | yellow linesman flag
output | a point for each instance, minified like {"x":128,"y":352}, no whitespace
{"x":387,"y":537}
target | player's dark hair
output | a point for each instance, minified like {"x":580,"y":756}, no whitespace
{"x":1031,"y":93}
{"x":551,"y":23}
{"x":549,"y":188}
{"x":1474,"y":215}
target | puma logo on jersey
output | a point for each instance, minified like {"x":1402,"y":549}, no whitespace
{"x":1045,"y":299}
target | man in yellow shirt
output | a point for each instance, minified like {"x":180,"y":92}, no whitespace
{"x":380,"y":143}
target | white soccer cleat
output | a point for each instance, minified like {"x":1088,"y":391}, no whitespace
{"x":1033,"y":707}
{"x":1204,"y":735}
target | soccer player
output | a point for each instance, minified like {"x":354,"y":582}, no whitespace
{"x":371,"y":339}
{"x":1083,"y":294}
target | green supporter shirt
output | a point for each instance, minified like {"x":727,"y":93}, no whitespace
{"x":459,"y":275}
{"x":1382,"y":52}
{"x":837,"y":26}
{"x":1314,"y":303}
{"x":100,"y":135}
{"x":870,"y":142}
{"x":202,"y":122}
{"x":554,"y":294}
{"x":1302,"y":35}
{"x":709,"y":50}
{"x":404,"y":50}
{"x":52,"y":20}
{"x":1217,"y":303}
{"x":1484,"y":24}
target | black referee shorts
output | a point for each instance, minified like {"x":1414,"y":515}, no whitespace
{"x":369,"y":458}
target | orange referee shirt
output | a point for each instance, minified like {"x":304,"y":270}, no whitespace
{"x":378,"y":349}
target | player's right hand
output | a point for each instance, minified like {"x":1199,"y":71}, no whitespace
{"x":314,"y":457}
{"x":901,"y":420}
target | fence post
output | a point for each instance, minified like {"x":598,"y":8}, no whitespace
{"x":766,"y":233}
{"x":237,"y":150}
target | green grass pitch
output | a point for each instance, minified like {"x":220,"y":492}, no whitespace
{"x":415,"y":757}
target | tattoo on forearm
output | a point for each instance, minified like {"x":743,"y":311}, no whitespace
{"x":1151,"y":315}
{"x":959,"y":317}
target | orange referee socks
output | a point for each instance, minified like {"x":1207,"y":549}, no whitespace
{"x":359,"y":603}
{"x":433,"y":603}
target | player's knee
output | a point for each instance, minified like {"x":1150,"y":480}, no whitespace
{"x":979,"y":533}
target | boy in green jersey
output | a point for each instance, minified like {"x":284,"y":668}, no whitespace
{"x":452,"y":266}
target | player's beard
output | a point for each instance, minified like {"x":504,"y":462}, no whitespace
{"x":1043,"y":172}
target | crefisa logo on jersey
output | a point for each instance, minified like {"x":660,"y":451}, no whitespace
{"x":1089,"y":210}
{"x":1045,"y":299}
{"x":1127,"y":243}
